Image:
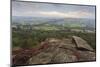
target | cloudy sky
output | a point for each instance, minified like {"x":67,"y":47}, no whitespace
{"x":52,"y":10}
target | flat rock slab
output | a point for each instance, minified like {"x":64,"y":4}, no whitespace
{"x":63,"y":56}
{"x":41,"y":58}
{"x":80,"y":43}
{"x":87,"y":56}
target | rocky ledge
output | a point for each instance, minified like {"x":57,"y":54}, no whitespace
{"x":54,"y":50}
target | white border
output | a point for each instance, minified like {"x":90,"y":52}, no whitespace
{"x":5,"y":33}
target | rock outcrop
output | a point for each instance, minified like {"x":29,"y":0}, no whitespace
{"x":80,"y":43}
{"x":63,"y":51}
{"x":54,"y":50}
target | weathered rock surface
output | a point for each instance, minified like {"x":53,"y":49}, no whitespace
{"x":56,"y":51}
{"x":61,"y":51}
{"x":80,"y":43}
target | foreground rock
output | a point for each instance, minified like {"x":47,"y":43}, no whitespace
{"x":80,"y":43}
{"x":61,"y":51}
{"x":54,"y":50}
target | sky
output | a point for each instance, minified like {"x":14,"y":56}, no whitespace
{"x":33,"y":9}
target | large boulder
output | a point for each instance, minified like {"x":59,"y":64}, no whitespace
{"x":80,"y":43}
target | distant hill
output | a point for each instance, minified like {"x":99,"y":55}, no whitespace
{"x":71,"y":22}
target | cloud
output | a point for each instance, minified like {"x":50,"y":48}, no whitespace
{"x":51,"y":10}
{"x":74,"y":14}
{"x":53,"y":14}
